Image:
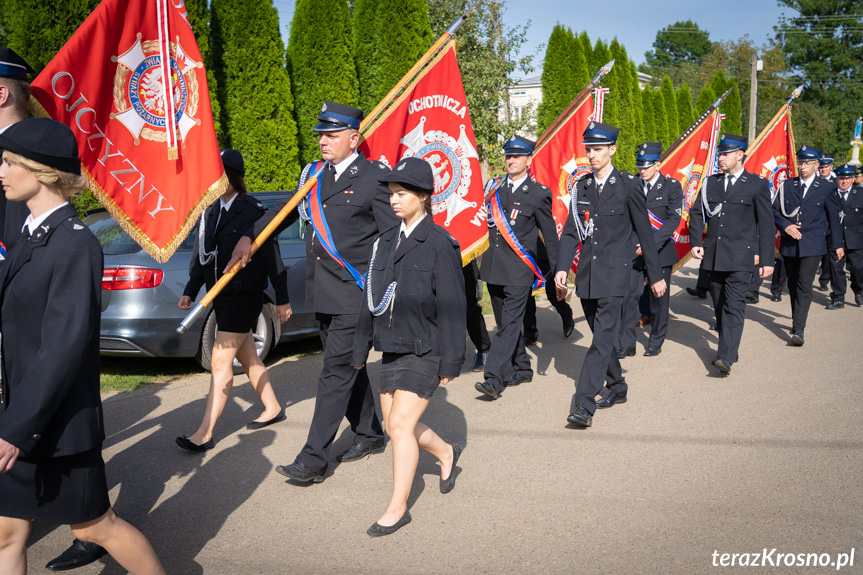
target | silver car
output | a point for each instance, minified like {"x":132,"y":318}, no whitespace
{"x":139,"y":296}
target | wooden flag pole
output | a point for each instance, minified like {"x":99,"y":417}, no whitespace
{"x":694,"y":125}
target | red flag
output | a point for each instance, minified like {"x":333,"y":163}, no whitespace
{"x":152,"y":161}
{"x":690,"y":161}
{"x":772,"y":155}
{"x":430,"y":120}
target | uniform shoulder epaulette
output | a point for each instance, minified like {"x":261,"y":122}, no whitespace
{"x":380,"y":165}
{"x":73,"y":223}
{"x":445,"y":234}
{"x":544,"y":187}
{"x":256,"y":202}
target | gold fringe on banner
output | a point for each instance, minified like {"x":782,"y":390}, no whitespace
{"x":159,"y":254}
{"x":474,"y":251}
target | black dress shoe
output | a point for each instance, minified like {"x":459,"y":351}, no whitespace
{"x":529,"y":341}
{"x":187,"y":445}
{"x":580,"y":417}
{"x":776,"y":297}
{"x":714,"y":327}
{"x":610,"y":400}
{"x":299,"y":472}
{"x":446,"y":485}
{"x":700,"y":294}
{"x":821,"y":287}
{"x":479,"y":361}
{"x":751,"y":297}
{"x":517,"y":378}
{"x":79,"y":554}
{"x":628,"y":352}
{"x":379,"y":530}
{"x":359,"y":450}
{"x":253,"y":425}
{"x":652,"y":351}
{"x":568,"y":328}
{"x":797,"y":338}
{"x":486,"y":388}
{"x":835,"y":305}
{"x":858,"y":298}
{"x":722,"y":365}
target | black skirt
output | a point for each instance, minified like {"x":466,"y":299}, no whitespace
{"x":238,"y":313}
{"x":63,"y":490}
{"x":409,"y":372}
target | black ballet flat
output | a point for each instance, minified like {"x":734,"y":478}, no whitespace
{"x":377,"y":530}
{"x":187,"y":445}
{"x":253,"y":425}
{"x":446,"y":485}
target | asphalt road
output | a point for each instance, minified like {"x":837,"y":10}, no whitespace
{"x":694,"y":463}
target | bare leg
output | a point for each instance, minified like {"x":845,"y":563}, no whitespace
{"x":260,"y":379}
{"x":127,"y":545}
{"x":221,"y":381}
{"x":13,"y":545}
{"x":402,"y":411}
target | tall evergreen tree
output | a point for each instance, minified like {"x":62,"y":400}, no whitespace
{"x":601,"y":56}
{"x":731,"y":106}
{"x":258,"y":103}
{"x":366,"y":37}
{"x":587,"y":50}
{"x":649,"y":115}
{"x":627,"y":113}
{"x":663,"y":128}
{"x":637,"y":101}
{"x":320,"y":63}
{"x":667,"y":90}
{"x":685,"y":112}
{"x":199,"y":18}
{"x":39,"y":28}
{"x":706,"y":97}
{"x":401,"y":45}
{"x":563,"y":75}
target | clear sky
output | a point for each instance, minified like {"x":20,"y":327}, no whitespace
{"x":633,"y":22}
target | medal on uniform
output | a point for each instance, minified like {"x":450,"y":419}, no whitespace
{"x":512,"y":216}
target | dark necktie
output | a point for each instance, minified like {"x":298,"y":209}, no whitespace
{"x":729,"y":181}
{"x":803,"y":189}
{"x":647,"y":187}
{"x":402,"y":238}
{"x":222,"y":213}
{"x":331,"y":176}
{"x":599,"y":188}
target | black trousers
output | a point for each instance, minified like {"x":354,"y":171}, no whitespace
{"x":342,"y":392}
{"x":660,"y":312}
{"x":826,"y":277}
{"x":600,"y":362}
{"x":779,"y":281}
{"x":476,"y":329}
{"x":703,"y":282}
{"x":728,"y":292}
{"x":629,"y":310}
{"x":560,"y":306}
{"x":801,"y":276}
{"x":507,"y":354}
{"x":855,"y":268}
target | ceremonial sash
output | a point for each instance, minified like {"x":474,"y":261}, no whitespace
{"x":322,"y":228}
{"x":656,"y":223}
{"x":503,"y":227}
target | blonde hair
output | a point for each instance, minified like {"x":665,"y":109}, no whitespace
{"x":66,"y":184}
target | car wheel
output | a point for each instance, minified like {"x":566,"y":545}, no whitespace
{"x":263,"y":334}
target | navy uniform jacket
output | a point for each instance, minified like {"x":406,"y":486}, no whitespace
{"x":51,"y":291}
{"x":666,"y":203}
{"x":605,"y":263}
{"x":243,"y":213}
{"x":500,"y":264}
{"x":852,"y":223}
{"x":819,"y":209}
{"x":743,"y":228}
{"x":12,"y":218}
{"x":429,"y":312}
{"x":357,"y":209}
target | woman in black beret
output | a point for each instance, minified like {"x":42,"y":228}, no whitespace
{"x":238,"y":305}
{"x":414,"y":312}
{"x":51,"y":427}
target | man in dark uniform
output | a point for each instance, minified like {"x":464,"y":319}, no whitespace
{"x":804,"y":208}
{"x":607,"y":208}
{"x":858,"y":176}
{"x":531,"y":332}
{"x":851,"y":221}
{"x":14,"y":96}
{"x":664,"y":202}
{"x":476,"y":328}
{"x":520,"y":209}
{"x":740,"y":235}
{"x":825,"y":170}
{"x":356,"y":209}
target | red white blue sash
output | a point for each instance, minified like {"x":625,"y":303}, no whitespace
{"x":656,"y":223}
{"x":322,"y":229}
{"x":496,"y":211}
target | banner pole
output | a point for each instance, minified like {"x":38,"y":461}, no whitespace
{"x":695,"y":125}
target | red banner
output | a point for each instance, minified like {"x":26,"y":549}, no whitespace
{"x":430,"y":120}
{"x":690,"y":162}
{"x":152,"y":161}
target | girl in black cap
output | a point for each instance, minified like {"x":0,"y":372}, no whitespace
{"x":239,"y":305}
{"x":414,"y":312}
{"x":51,"y":427}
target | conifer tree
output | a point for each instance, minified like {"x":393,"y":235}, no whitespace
{"x":685,"y":112}
{"x":258,"y":103}
{"x":663,"y":130}
{"x":320,"y":61}
{"x":667,"y":90}
{"x":587,"y":51}
{"x":601,"y":53}
{"x":637,"y":102}
{"x":649,"y":115}
{"x":563,"y":75}
{"x":706,"y":97}
{"x":407,"y":35}
{"x":732,"y":109}
{"x":199,"y":18}
{"x":627,"y":114}
{"x":366,"y":36}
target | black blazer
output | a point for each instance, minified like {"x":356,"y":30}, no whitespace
{"x":12,"y":218}
{"x":428,"y":314}
{"x":532,"y":203}
{"x":852,"y":222}
{"x":605,"y":263}
{"x":741,"y":230}
{"x":244,"y":212}
{"x":666,"y":203}
{"x":51,"y":291}
{"x":819,"y":209}
{"x":357,"y":208}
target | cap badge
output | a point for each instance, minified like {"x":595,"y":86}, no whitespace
{"x":641,"y":153}
{"x":803,"y":148}
{"x":324,"y":107}
{"x":592,"y":125}
{"x":401,"y":167}
{"x":512,"y":139}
